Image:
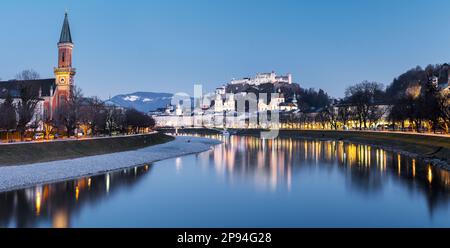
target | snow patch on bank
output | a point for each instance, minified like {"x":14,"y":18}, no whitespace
{"x":15,"y":177}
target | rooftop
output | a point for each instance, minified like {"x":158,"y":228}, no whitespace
{"x":66,"y":36}
{"x":13,"y":87}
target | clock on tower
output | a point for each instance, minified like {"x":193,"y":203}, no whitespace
{"x":64,"y":73}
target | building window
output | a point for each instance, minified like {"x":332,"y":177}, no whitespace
{"x":63,"y":56}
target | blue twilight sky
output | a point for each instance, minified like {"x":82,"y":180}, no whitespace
{"x":168,"y":45}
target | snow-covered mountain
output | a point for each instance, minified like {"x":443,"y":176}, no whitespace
{"x":142,"y":101}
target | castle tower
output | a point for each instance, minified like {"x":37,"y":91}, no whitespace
{"x":64,"y":73}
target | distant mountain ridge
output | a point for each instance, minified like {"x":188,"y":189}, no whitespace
{"x":151,"y":101}
{"x":142,"y":101}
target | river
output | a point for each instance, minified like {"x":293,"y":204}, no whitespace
{"x":247,"y":182}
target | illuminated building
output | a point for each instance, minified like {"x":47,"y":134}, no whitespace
{"x":53,"y":92}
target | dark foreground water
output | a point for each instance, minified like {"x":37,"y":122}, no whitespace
{"x":247,"y":182}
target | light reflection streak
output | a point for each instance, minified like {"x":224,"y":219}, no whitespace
{"x":55,"y":203}
{"x":107,"y":182}
{"x":430,"y":174}
{"x":178,"y":164}
{"x":77,"y":193}
{"x":60,"y":219}
{"x":273,"y":167}
{"x":38,"y":202}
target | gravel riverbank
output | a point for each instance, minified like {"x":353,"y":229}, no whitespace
{"x":22,"y":176}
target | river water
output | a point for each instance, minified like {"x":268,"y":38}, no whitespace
{"x":247,"y":182}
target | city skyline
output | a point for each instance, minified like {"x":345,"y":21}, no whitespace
{"x":261,"y":117}
{"x":154,"y":47}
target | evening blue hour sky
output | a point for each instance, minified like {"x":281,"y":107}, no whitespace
{"x":168,"y":45}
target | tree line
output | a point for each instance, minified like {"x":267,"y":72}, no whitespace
{"x":77,"y":114}
{"x":415,"y":100}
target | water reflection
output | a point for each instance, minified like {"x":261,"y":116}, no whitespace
{"x":56,"y":203}
{"x":267,"y":165}
{"x":272,"y":164}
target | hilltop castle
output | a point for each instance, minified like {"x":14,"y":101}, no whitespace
{"x":264,"y":78}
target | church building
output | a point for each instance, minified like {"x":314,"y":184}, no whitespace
{"x":53,"y":91}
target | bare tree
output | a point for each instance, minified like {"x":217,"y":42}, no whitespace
{"x":444,"y":108}
{"x":8,"y":118}
{"x":363,"y":97}
{"x":376,"y":112}
{"x":93,"y":115}
{"x":68,"y":112}
{"x":414,"y":111}
{"x":322,"y":118}
{"x":48,"y":125}
{"x":138,"y":121}
{"x":344,"y":114}
{"x":26,"y":106}
{"x":26,"y":75}
{"x":115,"y":120}
{"x":398,"y":114}
{"x":415,"y":106}
{"x":430,"y":102}
{"x":333,"y":116}
{"x":328,"y":115}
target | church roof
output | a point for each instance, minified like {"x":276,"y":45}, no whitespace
{"x":65,"y":37}
{"x":46,"y":86}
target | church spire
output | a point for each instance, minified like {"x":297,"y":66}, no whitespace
{"x":66,"y":37}
{"x":64,"y":73}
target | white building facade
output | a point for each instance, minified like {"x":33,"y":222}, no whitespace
{"x":263,"y":78}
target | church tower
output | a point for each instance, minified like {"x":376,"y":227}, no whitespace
{"x":64,"y":73}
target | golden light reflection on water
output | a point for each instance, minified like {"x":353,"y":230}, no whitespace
{"x":272,"y":163}
{"x":77,"y":193}
{"x":38,"y":202}
{"x":351,"y":155}
{"x":60,"y":219}
{"x":430,"y":174}
{"x":55,"y":203}
{"x":445,"y":178}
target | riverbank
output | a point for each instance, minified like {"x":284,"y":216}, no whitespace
{"x":22,"y":176}
{"x":434,"y":149}
{"x":38,"y":152}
